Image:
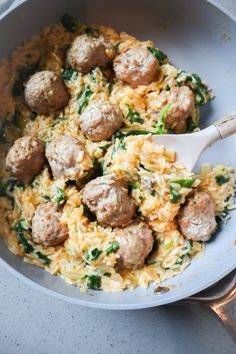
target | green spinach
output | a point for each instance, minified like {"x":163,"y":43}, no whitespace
{"x":161,"y":57}
{"x":69,"y":23}
{"x":160,"y":123}
{"x":69,"y":74}
{"x":59,"y":196}
{"x":93,"y":282}
{"x":201,"y":91}
{"x":220,"y":180}
{"x":113,"y":248}
{"x":93,"y":254}
{"x":83,"y":98}
{"x":133,"y":116}
{"x":20,"y":227}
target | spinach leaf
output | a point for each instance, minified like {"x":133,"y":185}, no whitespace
{"x":93,"y":282}
{"x":220,"y":180}
{"x":57,"y":120}
{"x":33,"y":116}
{"x":133,"y":116}
{"x":93,"y":254}
{"x":168,"y":245}
{"x":107,"y":274}
{"x":191,"y":126}
{"x":113,"y":248}
{"x":187,"y":183}
{"x":134,"y":185}
{"x":7,"y":187}
{"x":68,"y":74}
{"x":89,"y":214}
{"x":122,"y":135}
{"x":69,"y":23}
{"x":46,"y":197}
{"x":152,"y":192}
{"x":151,"y":261}
{"x":59,"y":196}
{"x":224,"y":216}
{"x":95,"y":172}
{"x":83,"y":98}
{"x":20,"y":227}
{"x":161,"y":57}
{"x":201,"y":91}
{"x":116,"y":45}
{"x":175,"y":196}
{"x":143,"y":167}
{"x":160,"y":123}
{"x":105,"y":147}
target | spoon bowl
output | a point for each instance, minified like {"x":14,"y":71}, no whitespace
{"x":189,"y":147}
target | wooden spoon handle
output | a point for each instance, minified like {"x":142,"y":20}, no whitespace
{"x":227,"y":125}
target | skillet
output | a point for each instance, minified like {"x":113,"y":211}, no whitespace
{"x":197,"y":37}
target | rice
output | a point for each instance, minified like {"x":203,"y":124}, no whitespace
{"x":149,"y":170}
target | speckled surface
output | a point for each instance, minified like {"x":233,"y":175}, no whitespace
{"x":31,"y":322}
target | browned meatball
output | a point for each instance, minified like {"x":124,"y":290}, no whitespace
{"x":86,"y":53}
{"x":109,"y":200}
{"x":136,"y":66}
{"x":197,"y":218}
{"x":47,"y":228}
{"x":182,"y":107}
{"x":135,"y":242}
{"x":45,"y":93}
{"x":65,"y":154}
{"x":26,"y":158}
{"x":100,"y":121}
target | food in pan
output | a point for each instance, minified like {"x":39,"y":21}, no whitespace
{"x":85,"y":192}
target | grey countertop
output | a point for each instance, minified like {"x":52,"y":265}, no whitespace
{"x":31,"y":322}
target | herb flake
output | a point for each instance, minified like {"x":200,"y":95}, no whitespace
{"x":161,"y":57}
{"x":113,"y":248}
{"x":83,"y":98}
{"x":220,"y":180}
{"x":69,"y":23}
{"x":160,"y":123}
{"x":20,"y":227}
{"x":69,"y":74}
{"x":93,"y":282}
{"x":59,"y":196}
{"x":93,"y":254}
{"x":133,"y":116}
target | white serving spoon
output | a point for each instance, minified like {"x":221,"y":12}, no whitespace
{"x":189,"y":147}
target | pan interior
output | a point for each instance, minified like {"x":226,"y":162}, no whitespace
{"x":197,"y":37}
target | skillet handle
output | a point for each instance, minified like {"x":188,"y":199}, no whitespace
{"x":227,"y":125}
{"x":221,"y":299}
{"x":226,"y":312}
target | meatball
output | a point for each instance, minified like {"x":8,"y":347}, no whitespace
{"x":47,"y":228}
{"x":135,"y":242}
{"x":197,"y":218}
{"x":109,"y":200}
{"x":182,"y":107}
{"x":65,"y":155}
{"x":136,"y":66}
{"x":100,"y":121}
{"x":26,"y":158}
{"x":86,"y":53}
{"x":45,"y":93}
